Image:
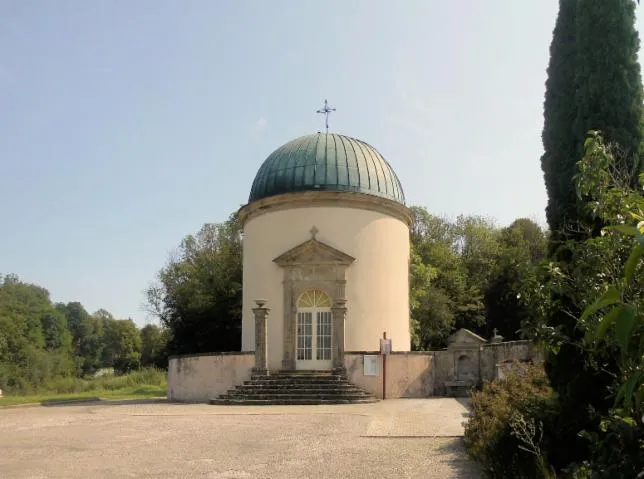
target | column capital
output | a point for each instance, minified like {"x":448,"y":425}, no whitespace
{"x":340,"y":306}
{"x":260,"y":310}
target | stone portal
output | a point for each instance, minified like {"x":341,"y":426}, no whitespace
{"x":314,"y":284}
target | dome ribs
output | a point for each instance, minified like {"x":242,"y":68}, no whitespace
{"x":326,"y":161}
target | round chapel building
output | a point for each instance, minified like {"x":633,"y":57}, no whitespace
{"x":326,"y":246}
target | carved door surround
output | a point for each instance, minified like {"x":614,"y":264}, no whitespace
{"x":314,"y":265}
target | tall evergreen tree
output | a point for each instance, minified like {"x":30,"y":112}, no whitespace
{"x":593,"y":83}
{"x":560,"y":145}
{"x":608,"y":82}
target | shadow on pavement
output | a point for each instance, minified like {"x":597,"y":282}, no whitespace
{"x":463,"y":465}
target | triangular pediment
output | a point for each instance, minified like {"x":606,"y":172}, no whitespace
{"x":465,"y":337}
{"x":313,"y":252}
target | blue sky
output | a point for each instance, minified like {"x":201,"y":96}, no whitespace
{"x":126,"y":125}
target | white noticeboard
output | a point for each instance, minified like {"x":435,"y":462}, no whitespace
{"x":385,"y":346}
{"x":370,"y":365}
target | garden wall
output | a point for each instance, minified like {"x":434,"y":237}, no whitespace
{"x":408,"y":375}
{"x":468,"y":361}
{"x":201,"y":377}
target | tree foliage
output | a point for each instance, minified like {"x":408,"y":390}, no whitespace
{"x":469,"y":273}
{"x":560,"y":146}
{"x":122,"y":344}
{"x":34,"y":344}
{"x":198,"y":295}
{"x":41,"y":342}
{"x":594,"y":82}
{"x":590,"y":318}
{"x":608,"y":82}
{"x":153,"y":346}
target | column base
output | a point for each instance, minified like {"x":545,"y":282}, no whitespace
{"x":339,"y":370}
{"x":288,"y":365}
{"x":260,"y":372}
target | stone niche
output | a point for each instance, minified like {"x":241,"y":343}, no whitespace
{"x":464,"y":349}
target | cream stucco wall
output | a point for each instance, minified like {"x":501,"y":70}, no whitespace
{"x":377,"y":288}
{"x":201,"y":377}
{"x":408,"y":375}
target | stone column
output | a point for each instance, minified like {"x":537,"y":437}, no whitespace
{"x":339,"y":312}
{"x":261,"y":336}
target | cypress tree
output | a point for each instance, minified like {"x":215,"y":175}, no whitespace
{"x":560,"y":145}
{"x":608,"y":79}
{"x":594,"y":82}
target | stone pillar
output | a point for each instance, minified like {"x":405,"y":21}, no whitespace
{"x":339,"y":311}
{"x":261,"y":336}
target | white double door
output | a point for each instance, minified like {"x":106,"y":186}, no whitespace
{"x":314,"y":330}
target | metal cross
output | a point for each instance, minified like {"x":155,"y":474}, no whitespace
{"x":326,"y":110}
{"x":313,"y":231}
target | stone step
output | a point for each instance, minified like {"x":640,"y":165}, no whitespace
{"x":269,"y":389}
{"x":295,"y":381}
{"x":305,"y":372}
{"x":286,"y":402}
{"x":292,"y":394}
{"x":300,"y":387}
{"x":299,"y":377}
{"x":307,"y":397}
{"x":274,"y":384}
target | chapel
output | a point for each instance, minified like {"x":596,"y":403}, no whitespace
{"x":325,"y":254}
{"x":326,"y":250}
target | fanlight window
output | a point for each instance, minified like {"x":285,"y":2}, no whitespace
{"x":314,"y":298}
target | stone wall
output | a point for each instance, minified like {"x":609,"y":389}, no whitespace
{"x":468,"y":361}
{"x":409,"y":374}
{"x":496,"y":357}
{"x":201,"y":377}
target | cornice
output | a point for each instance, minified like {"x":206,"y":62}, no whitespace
{"x":336,"y":199}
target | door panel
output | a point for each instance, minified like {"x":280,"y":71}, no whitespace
{"x":314,"y":330}
{"x":323,"y":336}
{"x":304,"y":336}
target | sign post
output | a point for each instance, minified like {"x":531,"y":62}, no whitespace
{"x":385,"y":349}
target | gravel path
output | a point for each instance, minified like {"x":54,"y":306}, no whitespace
{"x":393,"y":438}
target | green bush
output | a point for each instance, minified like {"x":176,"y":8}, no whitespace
{"x":108,"y":382}
{"x":145,"y":376}
{"x":510,"y":419}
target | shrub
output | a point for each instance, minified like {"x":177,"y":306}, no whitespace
{"x":107,"y":382}
{"x":510,"y":418}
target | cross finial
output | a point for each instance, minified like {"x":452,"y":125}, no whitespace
{"x":314,"y":231}
{"x":495,"y":331}
{"x":326,"y":110}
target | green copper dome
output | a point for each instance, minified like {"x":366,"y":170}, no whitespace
{"x":328,"y":162}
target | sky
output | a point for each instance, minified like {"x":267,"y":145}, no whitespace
{"x":127,"y":125}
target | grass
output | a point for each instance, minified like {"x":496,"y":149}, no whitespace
{"x":147,"y":383}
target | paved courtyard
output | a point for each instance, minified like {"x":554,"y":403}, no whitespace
{"x":394,"y":438}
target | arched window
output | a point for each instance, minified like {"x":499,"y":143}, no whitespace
{"x":313,"y":350}
{"x":314,"y":298}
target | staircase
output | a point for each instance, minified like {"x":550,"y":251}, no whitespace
{"x":295,"y":387}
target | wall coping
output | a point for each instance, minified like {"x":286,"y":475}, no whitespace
{"x":370,"y":353}
{"x":224,"y":353}
{"x":516,"y":342}
{"x":393,"y":353}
